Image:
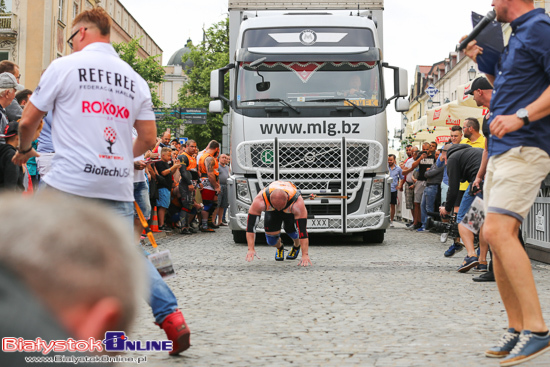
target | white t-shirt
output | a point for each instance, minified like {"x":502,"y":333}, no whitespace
{"x":408,"y":164}
{"x":96,"y":98}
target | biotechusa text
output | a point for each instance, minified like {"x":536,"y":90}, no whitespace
{"x":104,"y":171}
{"x":331,"y":128}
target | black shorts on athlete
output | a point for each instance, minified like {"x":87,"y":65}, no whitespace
{"x":274,"y":219}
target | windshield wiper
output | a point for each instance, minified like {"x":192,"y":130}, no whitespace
{"x":339,"y":100}
{"x":273,"y":100}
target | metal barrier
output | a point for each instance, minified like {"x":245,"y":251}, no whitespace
{"x":537,"y":225}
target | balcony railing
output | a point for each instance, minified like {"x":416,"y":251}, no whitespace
{"x":8,"y":22}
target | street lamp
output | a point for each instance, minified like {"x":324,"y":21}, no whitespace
{"x":472,"y":73}
{"x":446,"y":100}
{"x":405,"y":120}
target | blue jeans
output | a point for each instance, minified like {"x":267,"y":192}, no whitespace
{"x":141,"y":196}
{"x":466,"y":203}
{"x":428,"y":201}
{"x":162,"y":299}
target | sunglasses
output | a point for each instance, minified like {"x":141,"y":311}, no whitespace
{"x":70,"y":40}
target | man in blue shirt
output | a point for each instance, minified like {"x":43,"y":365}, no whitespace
{"x":396,"y":173}
{"x":518,"y":149}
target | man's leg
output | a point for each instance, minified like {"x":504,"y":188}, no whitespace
{"x":392,"y":212}
{"x":513,"y":273}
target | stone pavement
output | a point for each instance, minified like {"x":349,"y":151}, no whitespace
{"x":400,"y":303}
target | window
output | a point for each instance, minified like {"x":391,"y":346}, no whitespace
{"x":60,"y":10}
{"x":4,"y":55}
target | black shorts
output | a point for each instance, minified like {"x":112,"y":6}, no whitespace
{"x":459,"y":198}
{"x":274,"y":219}
{"x":393,"y":199}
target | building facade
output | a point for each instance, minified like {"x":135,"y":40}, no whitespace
{"x":33,"y":33}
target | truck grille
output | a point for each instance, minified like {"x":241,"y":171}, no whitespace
{"x":312,"y":166}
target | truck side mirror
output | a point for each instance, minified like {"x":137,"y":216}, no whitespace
{"x":401,"y":104}
{"x":403,"y":80}
{"x":215,"y":106}
{"x":215,"y":84}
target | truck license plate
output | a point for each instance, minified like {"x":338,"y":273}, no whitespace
{"x":317,"y":223}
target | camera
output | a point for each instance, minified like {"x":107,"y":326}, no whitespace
{"x":450,"y":227}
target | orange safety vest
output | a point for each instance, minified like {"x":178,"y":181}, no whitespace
{"x":192,"y":162}
{"x":288,"y":187}
{"x":202,"y":166}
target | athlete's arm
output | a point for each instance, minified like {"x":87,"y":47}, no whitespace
{"x":254,"y":213}
{"x":27,"y":128}
{"x":209,"y":163}
{"x":147,"y":133}
{"x":300,"y":215}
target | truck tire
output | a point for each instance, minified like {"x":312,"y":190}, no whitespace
{"x":239,"y":236}
{"x":374,"y":236}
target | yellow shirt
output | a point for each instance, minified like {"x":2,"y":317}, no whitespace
{"x":479,"y":143}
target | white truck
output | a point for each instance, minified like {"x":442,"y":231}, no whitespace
{"x":307,"y":105}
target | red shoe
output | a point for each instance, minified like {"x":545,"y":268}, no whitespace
{"x":177,"y":331}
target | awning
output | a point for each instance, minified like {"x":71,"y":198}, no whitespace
{"x":419,"y":131}
{"x":451,"y":114}
{"x":465,"y":99}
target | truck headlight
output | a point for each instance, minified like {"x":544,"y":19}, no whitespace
{"x":377,"y":190}
{"x":243,"y":192}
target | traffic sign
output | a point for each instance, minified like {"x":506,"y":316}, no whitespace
{"x":431,"y":90}
{"x":183,"y":141}
{"x":195,"y":116}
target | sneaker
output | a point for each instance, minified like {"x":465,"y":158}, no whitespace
{"x":443,"y":237}
{"x":468,"y":263}
{"x":185,"y":231}
{"x":293,"y":254}
{"x":482,"y":267}
{"x":421,"y":229}
{"x":206,"y":229}
{"x":485,"y":277}
{"x":528,"y":347}
{"x":391,"y":225}
{"x":409,"y":225}
{"x":505,"y":345}
{"x":416,"y":226}
{"x":165,"y":228}
{"x":454,"y":248}
{"x":223,"y":224}
{"x":177,"y":331}
{"x":212,"y":225}
{"x":280,"y":254}
{"x":192,"y":230}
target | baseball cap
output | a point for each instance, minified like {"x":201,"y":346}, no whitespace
{"x":7,"y":80}
{"x":10,"y":130}
{"x":480,"y":83}
{"x":447,"y":146}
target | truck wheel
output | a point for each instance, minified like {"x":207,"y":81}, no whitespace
{"x":239,"y":236}
{"x":374,"y":236}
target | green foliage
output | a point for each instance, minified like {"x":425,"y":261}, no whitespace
{"x":149,"y":68}
{"x":3,"y":9}
{"x":211,"y":54}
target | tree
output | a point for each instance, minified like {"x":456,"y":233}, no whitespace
{"x":149,"y":68}
{"x":211,"y":54}
{"x":3,"y":9}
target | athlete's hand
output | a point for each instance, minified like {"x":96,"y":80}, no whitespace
{"x":442,"y":211}
{"x":305,"y":261}
{"x":250,"y":255}
{"x":19,"y":159}
{"x":505,"y":124}
{"x":140,"y":165}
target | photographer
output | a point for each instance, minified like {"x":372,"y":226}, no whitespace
{"x":463,"y":162}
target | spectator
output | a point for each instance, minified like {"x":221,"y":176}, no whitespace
{"x":45,"y":147}
{"x":208,"y":171}
{"x":408,"y":182}
{"x":396,"y":173}
{"x":223,"y":198}
{"x":163,"y":142}
{"x":75,"y":275}
{"x":420,"y":186}
{"x":175,"y":144}
{"x":8,"y":87}
{"x":187,"y":186}
{"x":23,"y":97}
{"x":417,"y":186}
{"x":13,"y":109}
{"x":11,"y":175}
{"x":434,"y":177}
{"x":165,"y":181}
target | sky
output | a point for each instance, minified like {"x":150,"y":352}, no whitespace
{"x":416,"y":32}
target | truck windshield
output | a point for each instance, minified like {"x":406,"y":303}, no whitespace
{"x":310,"y":84}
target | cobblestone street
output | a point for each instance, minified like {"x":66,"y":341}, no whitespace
{"x":400,"y":303}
